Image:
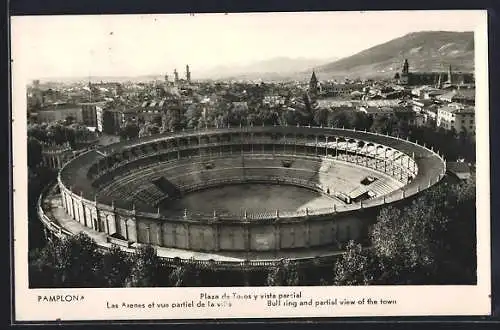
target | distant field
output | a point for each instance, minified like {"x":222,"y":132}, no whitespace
{"x":251,"y":197}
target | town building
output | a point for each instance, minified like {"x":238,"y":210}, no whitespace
{"x":60,"y":111}
{"x":376,"y":112}
{"x":335,"y":103}
{"x":89,"y":112}
{"x":421,"y":104}
{"x":314,"y":88}
{"x":273,"y":100}
{"x":111,"y":121}
{"x":463,"y":96}
{"x":457,"y":117}
{"x":438,"y":79}
{"x":339,"y":90}
{"x":405,"y":113}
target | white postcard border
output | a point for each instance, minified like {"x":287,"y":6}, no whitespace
{"x":30,"y":304}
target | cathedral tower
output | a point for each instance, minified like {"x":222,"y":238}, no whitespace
{"x":313,"y":85}
{"x":176,"y":76}
{"x":188,"y":74}
{"x":406,"y":67}
{"x":405,"y":73}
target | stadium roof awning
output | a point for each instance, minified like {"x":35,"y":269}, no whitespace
{"x":358,"y":192}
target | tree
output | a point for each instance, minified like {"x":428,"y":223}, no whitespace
{"x":339,"y":118}
{"x":185,"y":275}
{"x":69,"y":120}
{"x":456,"y":256}
{"x":361,"y":121}
{"x":38,"y":132}
{"x":403,"y":239}
{"x":42,"y":267}
{"x":177,"y":276}
{"x":381,"y":125}
{"x":115,"y":267}
{"x":289,"y":118}
{"x":356,"y":266}
{"x":149,"y":129}
{"x":145,"y":269}
{"x":320,"y":117}
{"x":193,"y":115}
{"x":129,"y":131}
{"x":156,"y":121}
{"x":59,"y":133}
{"x":34,"y":152}
{"x":171,"y":121}
{"x":78,"y":261}
{"x":283,"y":273}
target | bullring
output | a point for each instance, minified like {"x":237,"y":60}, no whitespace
{"x":124,"y":190}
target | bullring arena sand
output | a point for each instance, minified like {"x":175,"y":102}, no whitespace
{"x":252,"y":197}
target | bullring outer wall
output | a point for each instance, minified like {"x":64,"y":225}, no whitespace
{"x":276,"y":231}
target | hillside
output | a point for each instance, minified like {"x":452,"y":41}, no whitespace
{"x":425,"y":51}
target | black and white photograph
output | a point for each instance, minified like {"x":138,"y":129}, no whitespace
{"x":331,"y":156}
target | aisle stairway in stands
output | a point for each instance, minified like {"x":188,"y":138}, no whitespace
{"x":150,"y":194}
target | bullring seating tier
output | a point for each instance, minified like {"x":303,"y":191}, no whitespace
{"x":149,"y":194}
{"x":142,"y":155}
{"x":75,"y":174}
{"x":324,"y":173}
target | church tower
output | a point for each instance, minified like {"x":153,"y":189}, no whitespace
{"x":439,"y":83}
{"x":406,"y":67}
{"x":176,"y":76}
{"x":188,"y":74}
{"x":450,"y":77}
{"x":313,"y":85}
{"x":405,"y":73}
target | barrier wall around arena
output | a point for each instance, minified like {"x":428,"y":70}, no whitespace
{"x":275,"y":230}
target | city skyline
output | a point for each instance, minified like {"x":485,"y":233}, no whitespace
{"x":75,"y":46}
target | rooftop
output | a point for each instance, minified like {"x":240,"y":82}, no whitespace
{"x":61,"y":106}
{"x":456,"y":109}
{"x":377,"y":110}
{"x":466,"y":94}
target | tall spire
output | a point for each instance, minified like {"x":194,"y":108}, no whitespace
{"x":188,"y":74}
{"x":176,"y":76}
{"x":439,"y":83}
{"x":450,"y":81}
{"x":313,"y":84}
{"x":313,"y":78}
{"x":90,"y":90}
{"x":406,"y":67}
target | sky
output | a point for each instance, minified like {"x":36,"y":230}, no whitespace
{"x":128,"y":45}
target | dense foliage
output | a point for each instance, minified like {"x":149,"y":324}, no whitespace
{"x":57,"y":133}
{"x":431,"y":241}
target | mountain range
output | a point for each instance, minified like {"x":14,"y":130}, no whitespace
{"x":271,"y":69}
{"x":425,"y":51}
